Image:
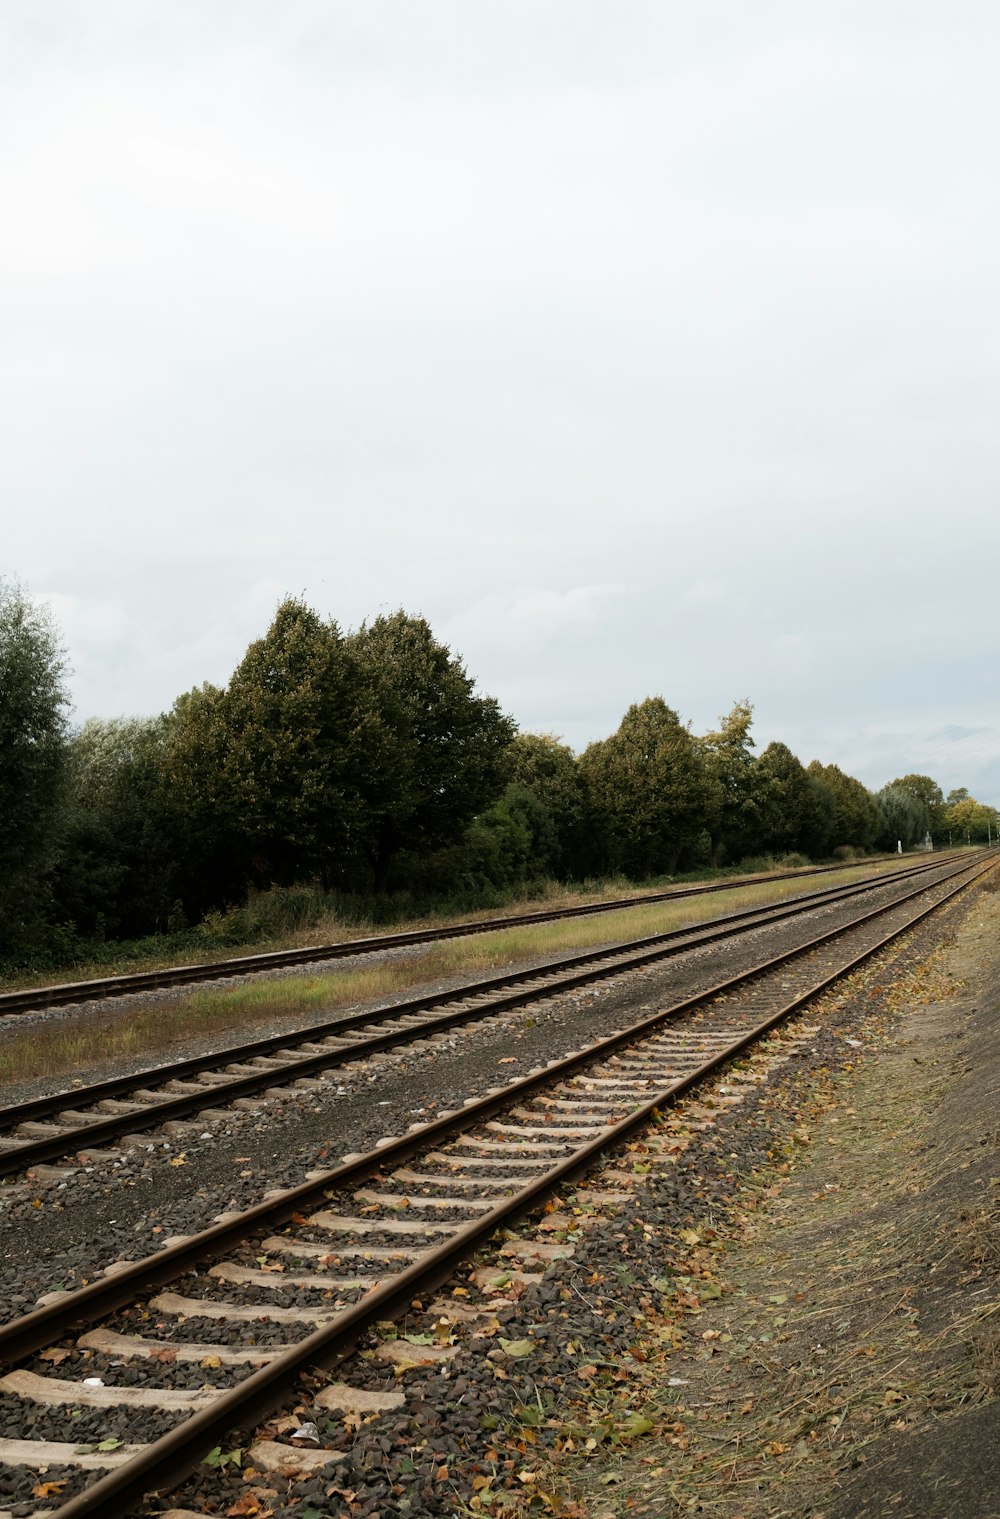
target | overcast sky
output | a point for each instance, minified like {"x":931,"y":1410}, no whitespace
{"x":644,"y":348}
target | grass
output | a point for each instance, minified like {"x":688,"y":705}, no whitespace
{"x":88,"y":1038}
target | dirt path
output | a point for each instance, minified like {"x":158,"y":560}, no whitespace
{"x":850,"y":1368}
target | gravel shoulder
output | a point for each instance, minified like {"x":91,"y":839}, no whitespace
{"x":850,"y":1367}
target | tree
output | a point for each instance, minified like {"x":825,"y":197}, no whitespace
{"x":856,"y":818}
{"x":197,"y":801}
{"x":647,"y":789}
{"x":33,"y":731}
{"x":904,"y":817}
{"x":784,"y":799}
{"x":436,"y":751}
{"x":116,"y":872}
{"x":969,"y":821}
{"x":262,"y":778}
{"x":819,"y":814}
{"x":546,"y":791}
{"x":291,"y":714}
{"x":928,"y":793}
{"x":733,"y":817}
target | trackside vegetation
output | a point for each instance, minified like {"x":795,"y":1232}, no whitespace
{"x":361,"y":777}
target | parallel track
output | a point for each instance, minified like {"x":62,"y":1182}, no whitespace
{"x":495,"y":1160}
{"x":33,"y":999}
{"x":56,"y":1126}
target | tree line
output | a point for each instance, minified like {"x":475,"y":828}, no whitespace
{"x":367,"y":762}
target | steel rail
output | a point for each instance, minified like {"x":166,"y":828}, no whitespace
{"x":31,"y":1332}
{"x":33,"y":998}
{"x":563,"y":975}
{"x":167,"y":1460}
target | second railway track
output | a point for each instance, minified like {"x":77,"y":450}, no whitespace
{"x":72,"y":993}
{"x":59,"y":1125}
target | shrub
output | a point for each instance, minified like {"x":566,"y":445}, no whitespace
{"x":756,"y":864}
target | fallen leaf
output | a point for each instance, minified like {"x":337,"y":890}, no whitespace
{"x":517,"y":1349}
{"x":247,"y":1504}
{"x":636,"y":1426}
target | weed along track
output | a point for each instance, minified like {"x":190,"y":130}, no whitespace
{"x":197,"y":1090}
{"x":119,"y":1389}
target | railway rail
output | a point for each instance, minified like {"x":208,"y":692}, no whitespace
{"x":33,"y":999}
{"x":360,"y":1241}
{"x":61,"y":1124}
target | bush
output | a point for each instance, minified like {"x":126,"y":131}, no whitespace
{"x":267,"y":915}
{"x":793,"y":861}
{"x":756,"y":864}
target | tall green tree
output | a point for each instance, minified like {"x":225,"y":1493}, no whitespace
{"x":262,"y":778}
{"x":33,"y":736}
{"x":904,"y":817}
{"x":784,"y":800}
{"x":291,"y":714}
{"x":968,"y":821}
{"x":928,"y":793}
{"x":856,"y":817}
{"x":546,"y":790}
{"x":197,"y":800}
{"x":647,"y":789}
{"x":116,"y":871}
{"x":435,"y":751}
{"x":733,"y":814}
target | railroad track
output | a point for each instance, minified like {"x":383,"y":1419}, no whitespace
{"x":33,"y":999}
{"x":294,"y":1282}
{"x":84,"y":1118}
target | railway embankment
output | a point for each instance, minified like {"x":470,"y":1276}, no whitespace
{"x":849,"y":1367}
